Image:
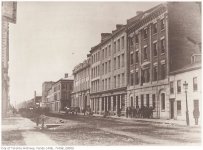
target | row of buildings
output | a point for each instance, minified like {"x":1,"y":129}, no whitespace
{"x":145,"y":63}
{"x":153,"y":60}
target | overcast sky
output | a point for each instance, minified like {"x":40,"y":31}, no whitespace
{"x":50,"y":38}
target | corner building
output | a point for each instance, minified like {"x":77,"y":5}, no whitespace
{"x":160,"y":40}
{"x":108,"y":73}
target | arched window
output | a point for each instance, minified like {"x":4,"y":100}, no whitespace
{"x":163,"y":101}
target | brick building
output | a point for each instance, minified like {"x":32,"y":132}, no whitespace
{"x":8,"y":16}
{"x":59,"y":95}
{"x":160,"y":40}
{"x":45,"y":87}
{"x":108,"y":73}
{"x":81,"y":90}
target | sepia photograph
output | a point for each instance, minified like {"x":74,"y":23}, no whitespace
{"x":106,"y":73}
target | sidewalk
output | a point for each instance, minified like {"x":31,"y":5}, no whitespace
{"x":27,"y":130}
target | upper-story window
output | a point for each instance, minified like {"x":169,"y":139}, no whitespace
{"x":154,"y":28}
{"x":123,"y":60}
{"x":163,"y":47}
{"x":145,"y":75}
{"x":131,"y":58}
{"x":119,"y":62}
{"x":106,"y":52}
{"x":155,"y":73}
{"x":98,"y":55}
{"x":145,"y":33}
{"x":109,"y":50}
{"x":131,"y":42}
{"x":162,"y":24}
{"x":195,"y":84}
{"x":102,"y":53}
{"x":109,"y":65}
{"x":122,"y":42}
{"x":155,"y":48}
{"x":119,"y":80}
{"x":115,"y":63}
{"x":118,"y":43}
{"x":179,"y":86}
{"x":171,"y":87}
{"x":114,"y":81}
{"x":145,"y":53}
{"x":163,"y":71}
{"x":136,"y":56}
{"x":131,"y":79}
{"x":136,"y":38}
{"x":114,"y":46}
{"x":136,"y":77}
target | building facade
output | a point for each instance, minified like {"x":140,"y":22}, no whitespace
{"x":45,"y":87}
{"x":59,"y":95}
{"x":159,"y":42}
{"x":192,"y":75}
{"x":81,"y":90}
{"x":108,"y":73}
{"x":8,"y":16}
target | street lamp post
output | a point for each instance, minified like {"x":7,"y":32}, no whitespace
{"x":185,"y":84}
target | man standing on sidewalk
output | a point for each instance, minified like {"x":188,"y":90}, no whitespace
{"x":196,"y":115}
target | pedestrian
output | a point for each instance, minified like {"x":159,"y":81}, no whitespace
{"x":196,"y":115}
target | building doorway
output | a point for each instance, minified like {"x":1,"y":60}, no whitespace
{"x":172,"y":108}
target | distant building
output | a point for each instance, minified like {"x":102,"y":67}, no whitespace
{"x":59,"y":95}
{"x":8,"y":16}
{"x":45,"y":87}
{"x":191,"y":74}
{"x":160,"y":40}
{"x":81,"y":90}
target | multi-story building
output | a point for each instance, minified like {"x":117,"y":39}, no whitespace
{"x":8,"y":16}
{"x":45,"y":87}
{"x":108,"y":73}
{"x":160,"y":40}
{"x":81,"y":88}
{"x":191,"y":75}
{"x":59,"y":95}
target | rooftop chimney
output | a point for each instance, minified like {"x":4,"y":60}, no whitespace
{"x":139,"y":12}
{"x":105,"y":36}
{"x":66,"y":75}
{"x":118,"y":26}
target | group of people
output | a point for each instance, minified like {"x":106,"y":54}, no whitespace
{"x":143,"y":112}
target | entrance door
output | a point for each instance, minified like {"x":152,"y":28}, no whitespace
{"x":172,"y":108}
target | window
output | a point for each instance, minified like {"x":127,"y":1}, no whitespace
{"x":131,"y":42}
{"x":163,"y":46}
{"x":105,"y":52}
{"x":131,"y":79}
{"x":102,"y":103}
{"x":147,"y":98}
{"x":154,"y":28}
{"x":155,"y":48}
{"x":136,"y":38}
{"x":131,"y":58}
{"x":114,"y":81}
{"x":195,"y":83}
{"x":123,"y":79}
{"x":109,"y":83}
{"x":119,"y":80}
{"x":109,"y":50}
{"x":162,"y":24}
{"x":179,"y":86}
{"x":123,"y":60}
{"x":114,"y":47}
{"x":178,"y":107}
{"x":119,"y":62}
{"x":115,"y":63}
{"x":142,"y":100}
{"x":153,"y":101}
{"x":137,"y":101}
{"x":163,"y":101}
{"x":145,"y":33}
{"x":145,"y":53}
{"x":122,"y":42}
{"x":163,"y":71}
{"x":103,"y":68}
{"x":102,"y":53}
{"x":106,"y":67}
{"x":118,"y":43}
{"x":137,"y":56}
{"x":136,"y":78}
{"x":155,"y":73}
{"x":146,"y":75}
{"x":109,"y":65}
{"x":131,"y":101}
{"x":106,"y":84}
{"x":171,"y":87}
